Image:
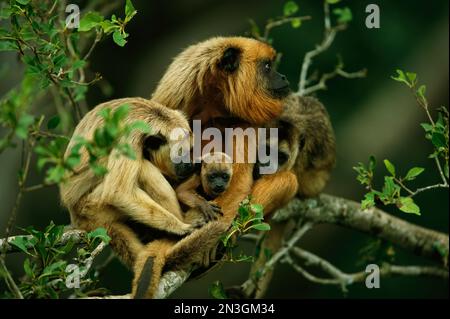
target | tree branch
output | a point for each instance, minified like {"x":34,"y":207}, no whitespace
{"x":343,"y":279}
{"x":324,"y":209}
{"x":333,"y":210}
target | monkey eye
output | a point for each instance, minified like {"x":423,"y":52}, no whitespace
{"x":267,"y":66}
{"x":225,"y":177}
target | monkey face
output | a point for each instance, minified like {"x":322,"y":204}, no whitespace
{"x":276,"y":83}
{"x":216,"y":172}
{"x":171,"y":156}
{"x":251,"y":88}
{"x":218,"y":182}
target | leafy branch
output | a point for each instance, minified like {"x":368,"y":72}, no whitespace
{"x":436,"y":131}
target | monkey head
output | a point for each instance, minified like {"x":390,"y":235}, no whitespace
{"x":169,"y":146}
{"x":306,"y":133}
{"x":222,"y":77}
{"x":216,"y":173}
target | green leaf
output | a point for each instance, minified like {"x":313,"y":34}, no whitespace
{"x":119,"y":38}
{"x":333,"y":1}
{"x":401,"y":77}
{"x":390,"y":167}
{"x":54,"y":268}
{"x":257,"y":208}
{"x":28,"y":268}
{"x":140,"y":126}
{"x":407,"y":205}
{"x":22,"y":126}
{"x":372,"y":163}
{"x":108,"y":26}
{"x":413,"y":173}
{"x":412,"y":77}
{"x":100,"y":233}
{"x":216,"y":290}
{"x":421,"y":92}
{"x":368,"y":201}
{"x":55,"y":174}
{"x":98,"y":170}
{"x":53,"y":122}
{"x":296,"y":23}
{"x":20,"y":242}
{"x":427,"y":127}
{"x":389,"y":188}
{"x":8,"y":45}
{"x":79,"y":64}
{"x":130,"y":11}
{"x":262,"y":226}
{"x":24,"y":2}
{"x":89,"y":21}
{"x":438,"y":140}
{"x":120,"y":113}
{"x":344,"y":15}
{"x":290,"y":8}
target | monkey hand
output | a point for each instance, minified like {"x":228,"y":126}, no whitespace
{"x":210,"y":210}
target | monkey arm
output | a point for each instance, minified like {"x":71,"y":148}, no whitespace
{"x":142,"y":208}
{"x":186,"y":192}
{"x":275,"y":190}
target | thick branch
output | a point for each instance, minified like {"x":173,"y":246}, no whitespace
{"x":344,"y":212}
{"x":332,"y":210}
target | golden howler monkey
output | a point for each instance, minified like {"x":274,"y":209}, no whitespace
{"x":133,"y":192}
{"x":225,"y":82}
{"x":229,"y":80}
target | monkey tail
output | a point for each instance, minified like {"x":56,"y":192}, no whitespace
{"x":148,"y":269}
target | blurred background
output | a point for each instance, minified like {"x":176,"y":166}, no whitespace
{"x":371,"y":116}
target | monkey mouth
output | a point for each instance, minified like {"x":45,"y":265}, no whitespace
{"x":217,"y":192}
{"x":281,"y":92}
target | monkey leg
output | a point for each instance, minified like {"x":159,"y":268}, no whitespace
{"x":125,"y":243}
{"x":148,"y":268}
{"x":275,"y":190}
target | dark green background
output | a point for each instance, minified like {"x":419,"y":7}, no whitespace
{"x":371,"y":116}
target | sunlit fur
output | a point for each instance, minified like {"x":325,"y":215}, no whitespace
{"x":132,"y":189}
{"x":195,"y":84}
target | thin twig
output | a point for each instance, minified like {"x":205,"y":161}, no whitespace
{"x":280,"y":22}
{"x":321,"y":85}
{"x":343,"y":279}
{"x":12,"y":286}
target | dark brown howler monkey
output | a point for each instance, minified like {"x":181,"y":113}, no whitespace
{"x":306,"y":147}
{"x":306,"y":144}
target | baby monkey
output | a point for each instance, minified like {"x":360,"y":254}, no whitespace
{"x":202,"y":187}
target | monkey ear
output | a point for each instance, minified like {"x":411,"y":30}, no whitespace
{"x":153,"y":142}
{"x":229,"y":61}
